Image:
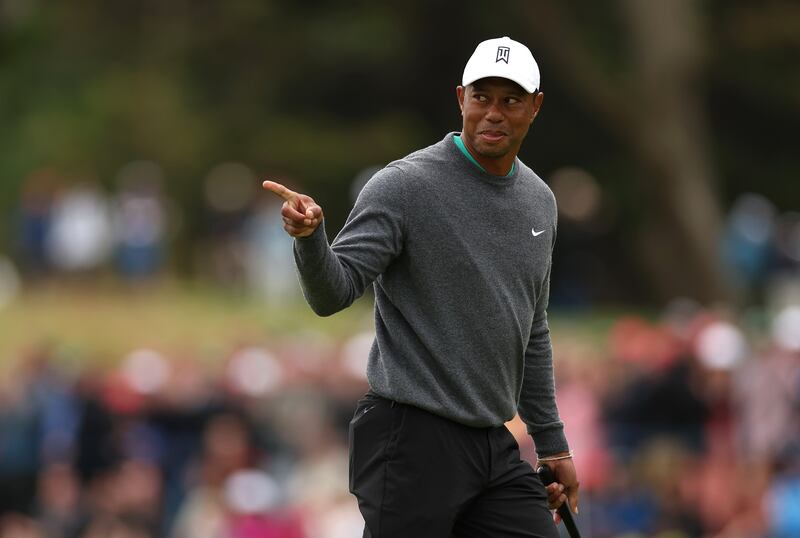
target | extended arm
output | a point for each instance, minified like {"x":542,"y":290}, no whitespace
{"x":333,"y":276}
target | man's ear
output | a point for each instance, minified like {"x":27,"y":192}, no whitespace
{"x":537,"y":104}
{"x":460,"y":91}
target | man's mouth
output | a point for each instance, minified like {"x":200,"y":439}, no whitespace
{"x":492,"y":136}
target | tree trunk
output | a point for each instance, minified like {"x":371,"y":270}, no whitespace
{"x":656,"y":111}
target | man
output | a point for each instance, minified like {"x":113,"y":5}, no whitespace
{"x":457,"y":239}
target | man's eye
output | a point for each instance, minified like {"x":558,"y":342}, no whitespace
{"x":481,"y":98}
{"x":512,"y":100}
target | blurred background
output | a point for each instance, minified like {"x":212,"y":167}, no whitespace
{"x":160,"y":374}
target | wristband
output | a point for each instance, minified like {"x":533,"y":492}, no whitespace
{"x":556,"y":458}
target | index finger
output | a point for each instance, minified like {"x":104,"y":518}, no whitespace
{"x":572,"y":496}
{"x":280,"y":190}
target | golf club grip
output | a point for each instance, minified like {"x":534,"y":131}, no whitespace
{"x":547,"y":478}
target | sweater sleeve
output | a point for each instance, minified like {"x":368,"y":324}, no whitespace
{"x":537,"y":404}
{"x":333,"y":276}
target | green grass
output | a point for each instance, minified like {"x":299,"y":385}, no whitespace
{"x":101,"y":324}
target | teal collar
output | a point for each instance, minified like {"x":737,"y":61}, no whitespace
{"x":468,"y":155}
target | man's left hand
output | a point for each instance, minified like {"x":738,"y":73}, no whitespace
{"x":565,"y":488}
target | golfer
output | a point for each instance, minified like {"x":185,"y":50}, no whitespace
{"x":457,"y":239}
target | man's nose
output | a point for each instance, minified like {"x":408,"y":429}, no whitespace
{"x":493,"y":113}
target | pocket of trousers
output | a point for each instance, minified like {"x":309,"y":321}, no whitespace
{"x":371,"y":435}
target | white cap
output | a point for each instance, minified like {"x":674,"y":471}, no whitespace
{"x":505,"y":58}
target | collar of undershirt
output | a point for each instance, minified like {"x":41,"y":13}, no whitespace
{"x":468,"y":155}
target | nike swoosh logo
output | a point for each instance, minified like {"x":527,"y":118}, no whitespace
{"x":535,"y":233}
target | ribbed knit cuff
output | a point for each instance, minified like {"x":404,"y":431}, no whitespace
{"x":313,"y":245}
{"x":550,"y":441}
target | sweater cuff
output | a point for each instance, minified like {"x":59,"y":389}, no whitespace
{"x":550,"y":441}
{"x":312,"y":246}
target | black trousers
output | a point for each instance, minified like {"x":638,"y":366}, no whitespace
{"x":418,"y":475}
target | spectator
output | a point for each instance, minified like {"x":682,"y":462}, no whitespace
{"x":79,"y":238}
{"x":140,"y":221}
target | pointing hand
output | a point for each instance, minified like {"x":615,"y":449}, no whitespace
{"x":301,"y":214}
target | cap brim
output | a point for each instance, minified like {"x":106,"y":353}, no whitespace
{"x":527,"y":87}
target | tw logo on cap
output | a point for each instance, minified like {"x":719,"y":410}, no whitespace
{"x":502,"y":54}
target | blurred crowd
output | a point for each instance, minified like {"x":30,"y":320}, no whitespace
{"x":162,"y":446}
{"x":686,"y":425}
{"x":64,"y":228}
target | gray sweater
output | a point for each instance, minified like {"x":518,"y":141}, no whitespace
{"x":460,"y":262}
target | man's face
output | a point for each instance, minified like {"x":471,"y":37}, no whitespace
{"x":497,"y":114}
